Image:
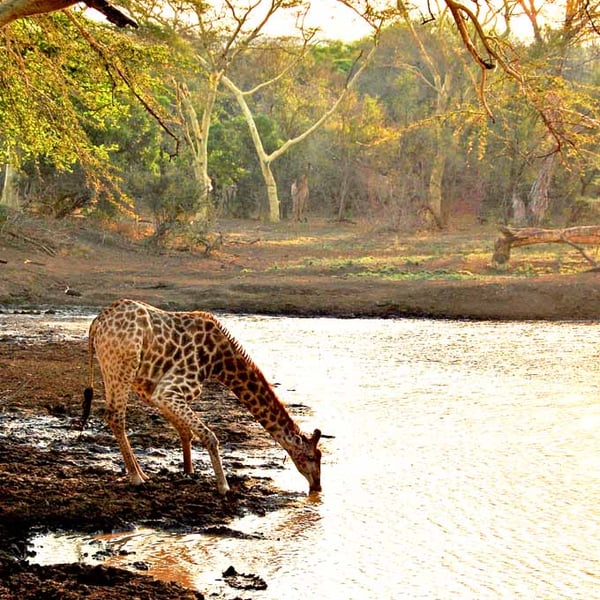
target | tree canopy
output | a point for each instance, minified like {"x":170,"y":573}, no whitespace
{"x":483,"y":109}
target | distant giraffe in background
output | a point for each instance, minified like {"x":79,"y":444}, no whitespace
{"x":300,"y":197}
{"x":165,"y":357}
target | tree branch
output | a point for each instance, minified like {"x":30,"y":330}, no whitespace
{"x":577,"y":247}
{"x":113,"y":15}
{"x":458,"y":11}
{"x":349,"y":85}
{"x":110,"y":65}
{"x":572,"y":236}
{"x":11,"y":10}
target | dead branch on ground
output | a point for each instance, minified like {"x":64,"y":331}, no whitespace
{"x":573,"y":236}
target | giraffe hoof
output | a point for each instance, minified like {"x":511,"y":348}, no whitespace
{"x":138,"y":478}
{"x":223,"y":489}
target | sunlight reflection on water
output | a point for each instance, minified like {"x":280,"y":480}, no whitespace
{"x":465,"y":464}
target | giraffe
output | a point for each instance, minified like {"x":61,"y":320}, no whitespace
{"x":165,"y":357}
{"x":299,"y":191}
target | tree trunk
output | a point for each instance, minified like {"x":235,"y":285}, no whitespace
{"x":514,"y":238}
{"x":344,"y":192}
{"x":519,"y":210}
{"x":196,"y":133}
{"x":272,"y":196}
{"x":8,"y":195}
{"x":538,"y":195}
{"x":435,"y":185}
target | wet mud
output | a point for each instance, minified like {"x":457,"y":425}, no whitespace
{"x":55,"y":478}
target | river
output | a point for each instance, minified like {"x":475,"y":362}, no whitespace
{"x":465,"y":463}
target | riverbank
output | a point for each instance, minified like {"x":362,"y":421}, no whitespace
{"x":316,"y":268}
{"x":54,"y":479}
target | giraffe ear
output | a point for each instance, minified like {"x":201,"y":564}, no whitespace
{"x":316,"y":436}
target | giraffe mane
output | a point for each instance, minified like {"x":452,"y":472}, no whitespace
{"x":237,"y":346}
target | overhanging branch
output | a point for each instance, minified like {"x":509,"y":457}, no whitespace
{"x":11,"y":10}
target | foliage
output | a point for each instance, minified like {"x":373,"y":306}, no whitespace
{"x":62,"y":101}
{"x":415,"y":125}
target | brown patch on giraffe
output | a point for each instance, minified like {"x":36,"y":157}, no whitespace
{"x":144,"y":388}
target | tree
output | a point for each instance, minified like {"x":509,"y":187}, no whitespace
{"x":59,"y":89}
{"x":553,"y":115}
{"x":265,"y":158}
{"x":436,"y":72}
{"x":562,"y":113}
{"x":215,"y":37}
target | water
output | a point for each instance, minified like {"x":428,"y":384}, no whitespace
{"x":465,"y":464}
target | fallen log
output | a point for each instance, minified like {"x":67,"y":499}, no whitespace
{"x":573,"y":236}
{"x":47,"y":249}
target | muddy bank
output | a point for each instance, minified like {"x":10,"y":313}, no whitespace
{"x":573,"y":297}
{"x":53,"y":478}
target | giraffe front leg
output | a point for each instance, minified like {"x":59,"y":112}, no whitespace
{"x":186,"y":445}
{"x":210,"y":442}
{"x":215,"y":458}
{"x":171,"y":403}
{"x":207,"y":438}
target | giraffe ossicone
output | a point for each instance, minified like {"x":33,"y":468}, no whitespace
{"x":165,"y":357}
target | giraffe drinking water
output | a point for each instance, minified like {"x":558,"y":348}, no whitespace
{"x":165,"y":357}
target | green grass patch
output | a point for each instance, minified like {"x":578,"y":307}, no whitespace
{"x":396,"y":274}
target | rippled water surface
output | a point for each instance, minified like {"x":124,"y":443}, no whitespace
{"x":465,"y":464}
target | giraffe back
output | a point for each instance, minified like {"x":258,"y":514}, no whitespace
{"x":141,"y":343}
{"x":138,"y":344}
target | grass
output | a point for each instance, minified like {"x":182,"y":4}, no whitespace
{"x":451,"y":255}
{"x":392,"y":274}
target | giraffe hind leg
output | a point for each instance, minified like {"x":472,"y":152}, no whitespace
{"x":115,"y":418}
{"x":118,"y":353}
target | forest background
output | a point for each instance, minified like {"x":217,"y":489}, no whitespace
{"x":184,"y":112}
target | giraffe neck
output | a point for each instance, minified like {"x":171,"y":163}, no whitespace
{"x":255,"y":393}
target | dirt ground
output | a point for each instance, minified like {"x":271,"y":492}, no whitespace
{"x":316,"y":268}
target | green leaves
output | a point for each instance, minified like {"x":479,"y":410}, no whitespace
{"x":60,"y":94}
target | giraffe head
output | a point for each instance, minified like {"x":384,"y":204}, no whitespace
{"x":307,"y":458}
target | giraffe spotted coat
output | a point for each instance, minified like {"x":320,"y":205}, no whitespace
{"x":165,"y":357}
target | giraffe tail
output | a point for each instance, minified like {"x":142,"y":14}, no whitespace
{"x":88,"y":392}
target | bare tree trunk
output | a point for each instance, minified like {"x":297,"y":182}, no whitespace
{"x":519,"y":210}
{"x":273,"y":215}
{"x":435,"y":184}
{"x":196,"y":134}
{"x":344,"y":191}
{"x":9,"y":196}
{"x":538,"y":195}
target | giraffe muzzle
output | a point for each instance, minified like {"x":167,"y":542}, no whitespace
{"x":315,"y":486}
